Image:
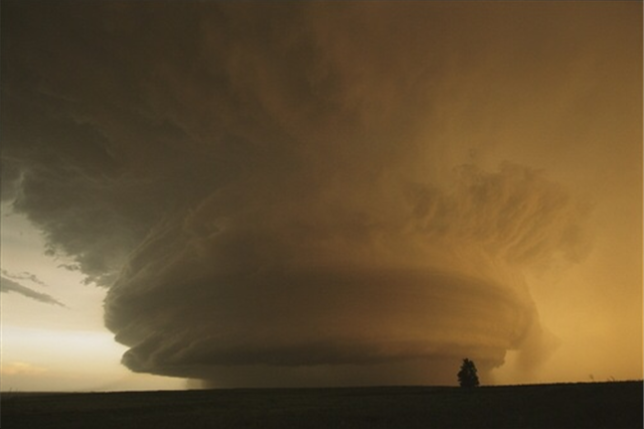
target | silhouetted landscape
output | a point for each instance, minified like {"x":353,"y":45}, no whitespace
{"x":579,"y":405}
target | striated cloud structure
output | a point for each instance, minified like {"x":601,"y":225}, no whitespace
{"x":298,"y":193}
{"x":313,"y":284}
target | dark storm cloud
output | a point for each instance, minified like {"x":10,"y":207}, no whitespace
{"x":292,"y":284}
{"x":266,"y":188}
{"x":7,"y":286}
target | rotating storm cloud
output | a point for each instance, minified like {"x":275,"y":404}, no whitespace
{"x":279,"y":194}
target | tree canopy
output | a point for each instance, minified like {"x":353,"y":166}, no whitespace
{"x":467,"y":376}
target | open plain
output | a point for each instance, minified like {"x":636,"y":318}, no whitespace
{"x":580,"y":405}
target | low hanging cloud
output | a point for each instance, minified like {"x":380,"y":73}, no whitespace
{"x":273,"y":194}
{"x":8,"y":286}
{"x":273,"y":286}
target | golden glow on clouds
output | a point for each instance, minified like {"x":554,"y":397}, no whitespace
{"x":55,"y":360}
{"x":21,"y":368}
{"x":219,"y":173}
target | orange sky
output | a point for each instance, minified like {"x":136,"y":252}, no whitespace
{"x":322,"y":193}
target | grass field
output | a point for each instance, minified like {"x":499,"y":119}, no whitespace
{"x":582,"y":405}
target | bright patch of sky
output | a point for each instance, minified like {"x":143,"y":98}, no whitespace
{"x":47,"y":347}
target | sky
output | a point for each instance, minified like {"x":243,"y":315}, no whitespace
{"x":254,"y":194}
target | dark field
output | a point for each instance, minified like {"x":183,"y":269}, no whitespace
{"x":583,"y":405}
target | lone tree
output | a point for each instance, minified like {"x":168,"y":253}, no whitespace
{"x":467,"y":376}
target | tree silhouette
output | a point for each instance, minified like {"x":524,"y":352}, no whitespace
{"x":467,"y":376}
